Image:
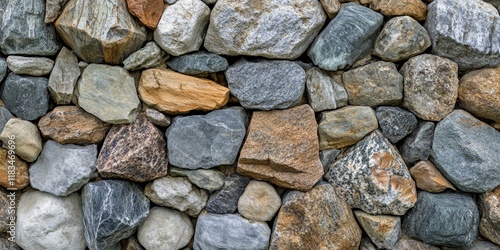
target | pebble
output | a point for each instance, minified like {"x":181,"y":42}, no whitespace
{"x":150,"y":56}
{"x":26,"y":97}
{"x":259,"y":202}
{"x":33,"y":66}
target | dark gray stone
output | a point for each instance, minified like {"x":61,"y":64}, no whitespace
{"x":112,"y":210}
{"x":395,"y":122}
{"x":3,"y":68}
{"x":5,"y":116}
{"x":443,"y":219}
{"x":198,"y":62}
{"x":151,"y":55}
{"x":348,"y":37}
{"x":466,"y":150}
{"x":27,"y":97}
{"x":225,"y":201}
{"x":417,"y":146}
{"x":328,"y":157}
{"x":206,"y":141}
{"x":265,"y":84}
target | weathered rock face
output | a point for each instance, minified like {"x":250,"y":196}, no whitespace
{"x":26,"y":137}
{"x":26,"y":96}
{"x":259,"y":202}
{"x":198,"y":63}
{"x":317,"y":219}
{"x":225,"y":201}
{"x":282,"y":148}
{"x":148,"y":57}
{"x":323,"y":92}
{"x":3,"y":68}
{"x":148,"y":12}
{"x":413,"y":8}
{"x":64,"y":76}
{"x":489,"y":225}
{"x":272,"y":29}
{"x":34,"y":66}
{"x":417,"y":146}
{"x":383,"y":230}
{"x":395,"y":122}
{"x":21,"y":179}
{"x":428,"y":178}
{"x":53,"y":9}
{"x":158,"y":118}
{"x":209,"y":179}
{"x":100,"y":31}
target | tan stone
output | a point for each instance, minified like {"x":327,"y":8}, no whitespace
{"x":259,"y":202}
{"x":489,"y":225}
{"x":331,"y":7}
{"x":383,"y":230}
{"x":428,"y":177}
{"x":147,"y":11}
{"x":21,"y":178}
{"x":175,"y":93}
{"x":282,"y":148}
{"x":413,"y":8}
{"x":27,"y":139}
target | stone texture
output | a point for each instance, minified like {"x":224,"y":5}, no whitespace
{"x":53,"y":9}
{"x":109,"y":93}
{"x":63,"y":78}
{"x":417,"y":146}
{"x":6,"y":211}
{"x":198,"y":63}
{"x":209,"y":179}
{"x":131,"y":243}
{"x":383,"y":230}
{"x":377,"y":83}
{"x":26,"y":137}
{"x":407,"y":243}
{"x":112,"y":210}
{"x":345,"y":126}
{"x":237,"y":232}
{"x":481,"y":245}
{"x":347,"y":38}
{"x":5,"y":116}
{"x":21,"y":178}
{"x":317,"y":219}
{"x":148,"y":12}
{"x":151,"y":55}
{"x":328,"y":157}
{"x":26,"y":96}
{"x":428,"y":177}
{"x":267,"y":28}
{"x":225,"y":201}
{"x":40,"y":215}
{"x":174,"y":93}
{"x":178,"y":33}
{"x":3,"y":68}
{"x":34,"y":66}
{"x":124,"y":156}
{"x":489,"y":225}
{"x":157,"y":118}
{"x":465,"y":32}
{"x":444,"y":219}
{"x":413,"y":8}
{"x":466,"y":150}
{"x":331,"y":7}
{"x":373,"y":177}
{"x":100,"y":31}
{"x":430,"y":86}
{"x":266,"y":84}
{"x":323,"y":92}
{"x":282,"y":148}
{"x":259,"y":202}
{"x":395,"y":122}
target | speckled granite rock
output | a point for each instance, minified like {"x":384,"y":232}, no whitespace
{"x":323,"y":92}
{"x":428,"y":177}
{"x":198,"y":63}
{"x":151,"y":55}
{"x":64,"y":76}
{"x":383,"y":230}
{"x":395,"y":122}
{"x":26,"y":97}
{"x":225,"y":201}
{"x":417,"y":146}
{"x":489,"y":225}
{"x":34,"y":66}
{"x":209,"y":179}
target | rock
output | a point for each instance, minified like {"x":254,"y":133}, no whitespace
{"x":366,"y":244}
{"x":25,"y":136}
{"x":237,"y":232}
{"x":282,"y":147}
{"x":112,"y":210}
{"x":109,"y":93}
{"x":466,"y":150}
{"x":266,"y":84}
{"x":198,"y":63}
{"x":345,"y":126}
{"x":110,"y":33}
{"x":148,"y":12}
{"x":206,"y":141}
{"x":400,"y":39}
{"x":428,"y":178}
{"x":6,"y":211}
{"x":444,"y":219}
{"x":3,"y":68}
{"x":383,"y":230}
{"x":150,"y":56}
{"x":178,"y":193}
{"x":64,"y":76}
{"x":328,"y":157}
{"x":331,"y":7}
{"x":407,"y":243}
{"x":20,"y":179}
{"x":465,"y":32}
{"x":347,"y":38}
{"x":26,"y":96}
{"x":165,"y":229}
{"x":174,"y":93}
{"x":40,"y":214}
{"x":482,"y":245}
{"x":413,"y":8}
{"x":225,"y":201}
{"x":178,"y":33}
{"x":63,"y":169}
{"x":479,"y":93}
{"x":271,"y":29}
{"x":5,"y":116}
{"x":259,"y":202}
{"x":373,"y":177}
{"x":124,"y":156}
{"x":395,"y":122}
{"x":417,"y":146}
{"x":323,"y":92}
{"x":430,"y":86}
{"x":375,"y":84}
{"x":34,"y":66}
{"x":489,"y":225}
{"x":53,"y":9}
{"x":157,"y":118}
{"x":131,"y":243}
{"x":209,"y":179}
{"x":317,"y":219}
{"x":38,"y":39}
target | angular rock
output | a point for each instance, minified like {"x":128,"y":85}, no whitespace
{"x":466,"y":150}
{"x":266,"y":84}
{"x":407,"y":243}
{"x":237,"y":232}
{"x":174,"y":93}
{"x":17,"y":181}
{"x":347,"y":38}
{"x":26,"y":96}
{"x":271,"y":28}
{"x":395,"y":122}
{"x":417,"y":146}
{"x":157,"y":118}
{"x":430,"y":86}
{"x":198,"y":63}
{"x":53,"y":9}
{"x":124,"y":156}
{"x":259,"y":202}
{"x":489,"y":225}
{"x":209,"y":179}
{"x":148,"y":12}
{"x":34,"y":66}
{"x":25,"y":136}
{"x":109,"y":93}
{"x":110,"y":33}
{"x":383,"y":230}
{"x":3,"y":68}
{"x":63,"y":78}
{"x":151,"y":55}
{"x":428,"y":178}
{"x":5,"y":116}
{"x":112,"y":210}
{"x":282,"y":147}
{"x":323,"y":92}
{"x":413,"y":8}
{"x":317,"y":219}
{"x":373,"y":177}
{"x":225,"y":201}
{"x":331,"y":7}
{"x":366,"y":244}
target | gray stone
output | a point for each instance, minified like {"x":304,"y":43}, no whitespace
{"x":5,"y":116}
{"x":157,"y":118}
{"x":443,"y":219}
{"x":417,"y":146}
{"x":206,"y":141}
{"x":259,"y":202}
{"x":53,"y":9}
{"x":265,"y":84}
{"x":230,"y":231}
{"x":151,"y":55}
{"x":112,"y":210}
{"x":23,"y":31}
{"x":480,"y":245}
{"x":395,"y":122}
{"x":323,"y":92}
{"x":267,"y":28}
{"x":225,"y":201}
{"x":495,"y":3}
{"x":3,"y":68}
{"x":209,"y":1}
{"x":63,"y":169}
{"x":327,"y":157}
{"x":63,"y":78}
{"x":347,"y":38}
{"x":209,"y":179}
{"x":466,"y":32}
{"x":198,"y":63}
{"x":466,"y":150}
{"x":6,"y":244}
{"x":34,"y":66}
{"x":26,"y":97}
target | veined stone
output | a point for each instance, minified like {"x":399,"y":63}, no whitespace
{"x":323,"y":92}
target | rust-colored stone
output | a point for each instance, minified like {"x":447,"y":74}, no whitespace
{"x":428,"y":177}
{"x":147,"y":11}
{"x":413,"y":8}
{"x":21,"y":178}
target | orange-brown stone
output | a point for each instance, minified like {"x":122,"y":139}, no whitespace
{"x":147,"y":11}
{"x":21,"y":178}
{"x":413,"y":8}
{"x":428,"y":177}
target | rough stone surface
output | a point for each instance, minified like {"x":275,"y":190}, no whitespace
{"x":466,"y":150}
{"x":413,"y":8}
{"x":198,"y":63}
{"x":63,"y":77}
{"x":3,"y":68}
{"x":383,"y":230}
{"x":428,"y":178}
{"x":323,"y":92}
{"x":53,"y":9}
{"x":21,"y":179}
{"x":373,"y":177}
{"x":331,"y":7}
{"x":148,"y":12}
{"x":489,"y":225}
{"x":5,"y":211}
{"x":407,"y":243}
{"x":417,"y":146}
{"x":5,"y":116}
{"x":481,"y":245}
{"x":34,"y":66}
{"x":267,"y":28}
{"x":209,"y":179}
{"x":225,"y":201}
{"x":328,"y":157}
{"x":395,"y":122}
{"x":157,"y":118}
{"x":282,"y":148}
{"x":26,"y":96}
{"x":26,"y":137}
{"x":131,"y":243}
{"x":259,"y":202}
{"x":151,"y":55}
